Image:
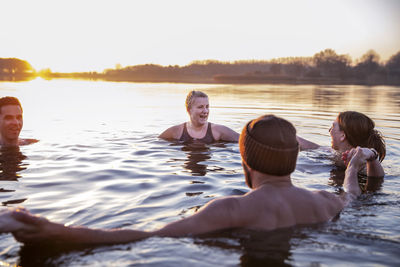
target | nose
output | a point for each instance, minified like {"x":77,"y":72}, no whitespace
{"x":15,"y":121}
{"x":330,"y":129}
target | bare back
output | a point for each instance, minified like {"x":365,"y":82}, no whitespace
{"x":271,"y":207}
{"x":265,"y":208}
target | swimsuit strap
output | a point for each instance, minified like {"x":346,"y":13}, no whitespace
{"x":207,"y":139}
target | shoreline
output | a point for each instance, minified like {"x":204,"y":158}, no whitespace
{"x":239,"y":79}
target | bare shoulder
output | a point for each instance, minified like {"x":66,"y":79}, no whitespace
{"x":28,"y":141}
{"x":173,"y":132}
{"x":234,"y":210}
{"x":215,"y":215}
{"x":329,"y":199}
{"x":224,"y":133}
{"x":223,"y":204}
{"x":325,"y":195}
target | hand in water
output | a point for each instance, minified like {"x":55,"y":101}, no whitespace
{"x":9,"y":224}
{"x":38,"y":228}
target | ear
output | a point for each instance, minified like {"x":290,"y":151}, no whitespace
{"x":247,"y":174}
{"x":343,"y":137}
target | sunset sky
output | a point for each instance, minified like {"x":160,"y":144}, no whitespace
{"x":70,"y":35}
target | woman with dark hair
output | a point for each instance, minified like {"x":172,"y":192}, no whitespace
{"x":198,"y":129}
{"x":350,"y":130}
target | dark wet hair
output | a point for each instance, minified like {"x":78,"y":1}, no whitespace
{"x":9,"y":100}
{"x":360,"y":131}
{"x":191,"y":96}
{"x":268,"y":144}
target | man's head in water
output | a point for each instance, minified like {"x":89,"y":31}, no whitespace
{"x":11,"y":120}
{"x":268,"y":145}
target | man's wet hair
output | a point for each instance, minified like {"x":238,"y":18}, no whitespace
{"x":9,"y":100}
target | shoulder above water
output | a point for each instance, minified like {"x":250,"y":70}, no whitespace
{"x":27,"y":141}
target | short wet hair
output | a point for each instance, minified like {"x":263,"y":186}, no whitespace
{"x":9,"y":100}
{"x":191,"y":96}
{"x":360,"y":131}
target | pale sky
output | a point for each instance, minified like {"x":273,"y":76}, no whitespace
{"x":84,"y":35}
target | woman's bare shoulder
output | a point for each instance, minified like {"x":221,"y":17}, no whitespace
{"x":173,"y":132}
{"x":28,"y":141}
{"x":224,"y":133}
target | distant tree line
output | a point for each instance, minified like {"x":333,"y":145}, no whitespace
{"x":324,"y":67}
{"x":15,"y":69}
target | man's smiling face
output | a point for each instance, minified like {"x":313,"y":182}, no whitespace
{"x":11,"y":122}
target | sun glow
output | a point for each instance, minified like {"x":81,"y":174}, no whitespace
{"x":95,"y":35}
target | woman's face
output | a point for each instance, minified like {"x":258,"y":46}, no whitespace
{"x":199,"y":110}
{"x":337,"y":135}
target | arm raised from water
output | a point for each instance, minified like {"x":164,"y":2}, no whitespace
{"x":354,"y":159}
{"x":362,"y":155}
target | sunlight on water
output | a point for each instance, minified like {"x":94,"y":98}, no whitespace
{"x":99,"y":163}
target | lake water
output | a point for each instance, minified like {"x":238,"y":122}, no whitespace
{"x":99,"y":163}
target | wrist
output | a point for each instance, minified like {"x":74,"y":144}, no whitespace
{"x":374,"y":156}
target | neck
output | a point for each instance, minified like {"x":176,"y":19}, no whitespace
{"x":260,"y":179}
{"x":8,"y":142}
{"x":344,"y":147}
{"x":197,"y":126}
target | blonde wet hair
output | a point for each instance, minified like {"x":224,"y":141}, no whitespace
{"x":191,"y":96}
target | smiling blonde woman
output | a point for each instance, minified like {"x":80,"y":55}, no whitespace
{"x":198,"y":129}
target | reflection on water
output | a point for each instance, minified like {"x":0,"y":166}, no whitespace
{"x":257,"y":248}
{"x":267,"y":248}
{"x":196,"y":154}
{"x":100,"y":164}
{"x":367,"y":183}
{"x":10,"y":164}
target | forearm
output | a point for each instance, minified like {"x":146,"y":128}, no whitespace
{"x":374,"y":168}
{"x":83,"y":235}
{"x":350,"y":183}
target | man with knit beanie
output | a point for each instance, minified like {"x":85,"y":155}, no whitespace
{"x":269,"y":151}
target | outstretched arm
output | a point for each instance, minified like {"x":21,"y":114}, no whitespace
{"x":305,"y":144}
{"x":42,"y":230}
{"x":218,"y":214}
